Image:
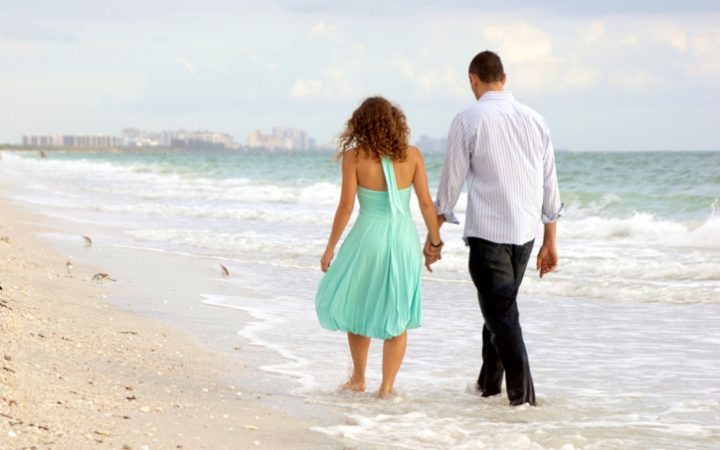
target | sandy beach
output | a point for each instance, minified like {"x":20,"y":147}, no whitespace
{"x":79,"y":372}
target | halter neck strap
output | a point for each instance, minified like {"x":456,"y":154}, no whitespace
{"x":392,"y":188}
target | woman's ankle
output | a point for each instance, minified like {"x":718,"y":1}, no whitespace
{"x":385,"y":390}
{"x":359,"y":378}
{"x":355,"y":383}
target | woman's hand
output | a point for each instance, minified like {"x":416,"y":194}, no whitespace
{"x":325,"y":260}
{"x":432,"y":253}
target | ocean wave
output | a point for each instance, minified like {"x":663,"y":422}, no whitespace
{"x":644,"y":227}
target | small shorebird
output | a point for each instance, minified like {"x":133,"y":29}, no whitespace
{"x":88,"y":241}
{"x":69,"y":266}
{"x":99,"y":277}
{"x":225,"y":271}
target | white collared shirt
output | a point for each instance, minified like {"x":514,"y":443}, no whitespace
{"x":503,"y":149}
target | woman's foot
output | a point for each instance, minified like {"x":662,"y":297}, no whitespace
{"x":385,"y":392}
{"x":354,"y":384}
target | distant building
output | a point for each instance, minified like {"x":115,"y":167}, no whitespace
{"x":133,"y":137}
{"x":81,"y":140}
{"x":71,"y":140}
{"x":49,"y":140}
{"x":198,"y":140}
{"x":202,"y":140}
{"x":428,"y":144}
{"x":280,"y":139}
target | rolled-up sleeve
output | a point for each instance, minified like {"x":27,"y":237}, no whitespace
{"x":552,"y":207}
{"x":455,"y":170}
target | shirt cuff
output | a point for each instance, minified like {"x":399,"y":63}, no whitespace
{"x":553,"y":217}
{"x":449,"y":215}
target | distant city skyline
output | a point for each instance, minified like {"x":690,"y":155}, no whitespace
{"x":606,"y":75}
{"x":279,"y":138}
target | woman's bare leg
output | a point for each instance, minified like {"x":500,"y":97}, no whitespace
{"x":359,"y":346}
{"x":393,"y":353}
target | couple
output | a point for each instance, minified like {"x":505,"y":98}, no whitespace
{"x":372,"y":289}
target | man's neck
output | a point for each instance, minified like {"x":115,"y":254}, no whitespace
{"x":489,"y":87}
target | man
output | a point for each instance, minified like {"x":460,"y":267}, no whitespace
{"x":503,"y":149}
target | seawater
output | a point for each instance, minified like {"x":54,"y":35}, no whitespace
{"x":623,"y":339}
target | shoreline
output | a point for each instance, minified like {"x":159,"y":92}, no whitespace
{"x":80,"y":370}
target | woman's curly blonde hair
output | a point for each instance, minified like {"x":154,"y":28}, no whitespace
{"x":378,"y":128}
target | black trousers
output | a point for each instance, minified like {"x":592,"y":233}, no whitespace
{"x":497,"y":271}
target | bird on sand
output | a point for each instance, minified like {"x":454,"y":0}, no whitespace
{"x":88,"y":241}
{"x":225,"y":271}
{"x":69,"y":266}
{"x":99,"y":277}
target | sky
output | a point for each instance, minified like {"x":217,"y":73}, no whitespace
{"x":608,"y":76}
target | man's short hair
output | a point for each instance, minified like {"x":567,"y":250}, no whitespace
{"x":487,"y":66}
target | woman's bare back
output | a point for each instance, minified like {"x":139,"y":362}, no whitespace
{"x":370,"y":174}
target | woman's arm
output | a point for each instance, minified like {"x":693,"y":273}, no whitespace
{"x":344,"y":209}
{"x":427,"y":207}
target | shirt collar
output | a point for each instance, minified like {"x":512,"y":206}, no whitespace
{"x":496,"y":96}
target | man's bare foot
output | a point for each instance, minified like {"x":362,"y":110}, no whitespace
{"x":384,"y":392}
{"x":354,"y":384}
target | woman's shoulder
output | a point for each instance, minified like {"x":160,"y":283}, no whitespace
{"x":414,"y":153}
{"x":350,"y":156}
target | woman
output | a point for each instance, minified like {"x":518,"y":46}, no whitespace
{"x":372,"y":290}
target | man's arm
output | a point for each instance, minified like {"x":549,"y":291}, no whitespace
{"x":552,"y":207}
{"x":454,"y":173}
{"x":552,"y":210}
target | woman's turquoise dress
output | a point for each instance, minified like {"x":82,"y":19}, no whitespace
{"x":372,"y":288}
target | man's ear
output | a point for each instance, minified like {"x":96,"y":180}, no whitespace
{"x":504,"y":78}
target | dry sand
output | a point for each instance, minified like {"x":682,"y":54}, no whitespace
{"x":77,"y":372}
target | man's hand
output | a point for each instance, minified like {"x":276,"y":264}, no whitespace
{"x":547,"y":259}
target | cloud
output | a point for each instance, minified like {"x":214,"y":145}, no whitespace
{"x":592,"y":32}
{"x":582,"y":77}
{"x":520,"y":42}
{"x":634,"y":79}
{"x":325,"y":31}
{"x":307,"y":88}
{"x":670,"y":34}
{"x":335,"y":84}
{"x":184,"y":62}
{"x":555,"y":7}
{"x":11,"y":50}
{"x":705,"y":47}
{"x":431,"y":80}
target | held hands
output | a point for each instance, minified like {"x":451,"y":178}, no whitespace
{"x":547,"y":259}
{"x":326,"y":258}
{"x":432,"y":253}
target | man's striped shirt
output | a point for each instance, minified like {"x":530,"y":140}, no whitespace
{"x":503,"y":149}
